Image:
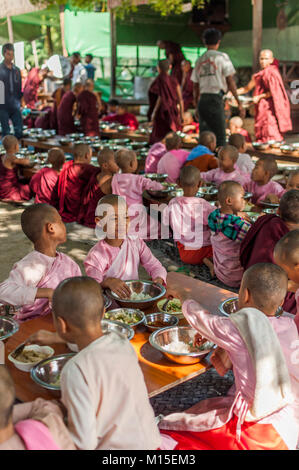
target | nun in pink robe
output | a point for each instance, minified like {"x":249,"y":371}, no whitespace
{"x":265,"y":395}
{"x":261,"y":192}
{"x":155,"y":153}
{"x":226,"y":259}
{"x":217,"y":176}
{"x":35,"y":271}
{"x":171,"y":163}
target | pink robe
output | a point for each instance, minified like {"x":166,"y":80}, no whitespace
{"x":217,"y":176}
{"x":215,"y":412}
{"x":31,"y":87}
{"x":104,"y":261}
{"x":261,"y":192}
{"x":188,"y":217}
{"x":131,"y":187}
{"x":43,"y":185}
{"x":35,"y":271}
{"x":171,"y":163}
{"x":155,"y":153}
{"x":10,"y":187}
{"x":226,"y":258}
{"x":297,"y":314}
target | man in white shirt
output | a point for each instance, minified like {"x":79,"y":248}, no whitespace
{"x":213,"y":76}
{"x":78,"y":72}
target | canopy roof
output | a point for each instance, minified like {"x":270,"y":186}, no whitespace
{"x":18,"y":7}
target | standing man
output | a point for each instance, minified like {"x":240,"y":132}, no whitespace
{"x":187,"y":85}
{"x":213,"y":75}
{"x":89,"y":67}
{"x":11,"y":80}
{"x":78,"y":72}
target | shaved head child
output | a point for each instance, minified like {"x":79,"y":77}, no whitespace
{"x":244,"y":162}
{"x":88,"y":110}
{"x":102,"y":387}
{"x":227,"y":171}
{"x":261,"y":185}
{"x":44,"y":183}
{"x":203,"y":156}
{"x":174,"y":159}
{"x":32,"y":280}
{"x":261,"y":413}
{"x":10,"y":187}
{"x":236,"y":127}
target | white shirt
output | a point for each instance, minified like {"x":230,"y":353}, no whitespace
{"x":79,"y":74}
{"x":211,"y":70}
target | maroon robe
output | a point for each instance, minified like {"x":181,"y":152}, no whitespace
{"x":167,"y":116}
{"x":88,"y":110}
{"x":90,"y":198}
{"x":65,"y":118}
{"x":57,"y":96}
{"x":187,"y":91}
{"x":178,"y":56}
{"x":72,"y":180}
{"x":43,"y":185}
{"x":31,"y":88}
{"x":126,"y":119}
{"x":259,"y":244}
{"x":10,"y":187}
{"x":272,"y":115}
{"x":43,"y":121}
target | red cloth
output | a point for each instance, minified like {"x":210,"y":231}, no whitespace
{"x":31,"y":87}
{"x":43,"y":185}
{"x":126,"y":119}
{"x":259,"y":244}
{"x":90,"y":198}
{"x":178,"y":56}
{"x":10,"y":187}
{"x":167,"y":117}
{"x":204,"y":162}
{"x":65,"y":116}
{"x":194,"y":256}
{"x":88,"y":110}
{"x":245,"y":133}
{"x":57,"y":96}
{"x":187,"y":91}
{"x":272,"y":115}
{"x":72,"y":180}
{"x":254,"y":436}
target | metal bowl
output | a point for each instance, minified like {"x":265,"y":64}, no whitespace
{"x":288,"y":149}
{"x":247,"y":196}
{"x":270,"y":205}
{"x":268,"y":210}
{"x":107,"y":301}
{"x":47,"y":372}
{"x":161,"y":193}
{"x":253,"y":216}
{"x":156,"y":291}
{"x":8,"y":327}
{"x":109,"y":316}
{"x":186,"y":334}
{"x":275,"y":144}
{"x":160,"y":177}
{"x":229,"y":306}
{"x":207,"y":191}
{"x":260,"y":145}
{"x":165,"y":318}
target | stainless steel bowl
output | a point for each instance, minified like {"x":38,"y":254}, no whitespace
{"x":229,"y":306}
{"x":270,"y":205}
{"x":288,"y":149}
{"x":160,"y":177}
{"x":156,"y":291}
{"x":207,"y":191}
{"x":253,"y":216}
{"x":160,"y":338}
{"x":118,"y":327}
{"x":110,"y":315}
{"x":275,"y":144}
{"x":247,"y":196}
{"x":165,"y":318}
{"x":8,"y":327}
{"x":260,"y":145}
{"x":47,"y":372}
{"x":107,"y":301}
{"x":162,"y":192}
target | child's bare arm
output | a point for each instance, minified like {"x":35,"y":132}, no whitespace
{"x":221,"y":361}
{"x":118,"y":286}
{"x":45,"y":338}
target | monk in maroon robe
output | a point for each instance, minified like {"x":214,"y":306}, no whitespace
{"x":67,"y":109}
{"x":44,"y":183}
{"x":73,"y":178}
{"x":88,"y":109}
{"x":259,"y":243}
{"x":187,"y":85}
{"x":272,"y":105}
{"x":175,"y":56}
{"x":57,"y":97}
{"x":123,"y":117}
{"x":166,"y":107}
{"x":35,"y":78}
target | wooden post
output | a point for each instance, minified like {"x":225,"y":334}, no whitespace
{"x":61,"y":18}
{"x":113,"y":48}
{"x":10,"y":30}
{"x":34,"y":50}
{"x":257,"y":31}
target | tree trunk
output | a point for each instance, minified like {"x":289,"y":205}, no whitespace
{"x":61,"y":17}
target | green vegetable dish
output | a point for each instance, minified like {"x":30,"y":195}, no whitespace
{"x":123,"y":316}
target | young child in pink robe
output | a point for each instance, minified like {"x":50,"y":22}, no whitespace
{"x":32,"y":280}
{"x":259,"y":412}
{"x":228,"y":170}
{"x":236,"y":127}
{"x":244,"y":162}
{"x":44,"y":182}
{"x":286,"y":255}
{"x":261,"y":185}
{"x":188,"y":217}
{"x":229,"y":229}
{"x":102,"y":387}
{"x":30,"y":426}
{"x":293,"y":180}
{"x":116,"y":257}
{"x":175,"y":158}
{"x":155,"y":153}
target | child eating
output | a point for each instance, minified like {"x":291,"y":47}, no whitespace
{"x":202,"y":156}
{"x":260,"y":413}
{"x":188,"y":218}
{"x":228,"y":170}
{"x":244,"y":162}
{"x":102,"y":387}
{"x":116,"y":257}
{"x":43,"y":183}
{"x":173,"y":160}
{"x":229,"y":229}
{"x":236,"y":127}
{"x":32,"y":280}
{"x":261,"y":185}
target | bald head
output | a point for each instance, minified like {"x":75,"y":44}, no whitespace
{"x":287,"y":249}
{"x":237,"y":140}
{"x":164,"y":65}
{"x":124,"y":158}
{"x":269,"y":165}
{"x":267,"y":284}
{"x":110,"y":199}
{"x":10,"y":143}
{"x":56,"y":157}
{"x":79,"y":301}
{"x":173,"y":141}
{"x":35,"y":217}
{"x":105,"y":155}
{"x":7,"y":397}
{"x":289,"y":206}
{"x":189,"y":176}
{"x":266,"y":58}
{"x":236,"y":121}
{"x":207,"y":138}
{"x":89,"y":84}
{"x":77,"y":88}
{"x":81,"y":151}
{"x":228,"y":189}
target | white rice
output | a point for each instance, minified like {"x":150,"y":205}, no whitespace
{"x":177,"y":347}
